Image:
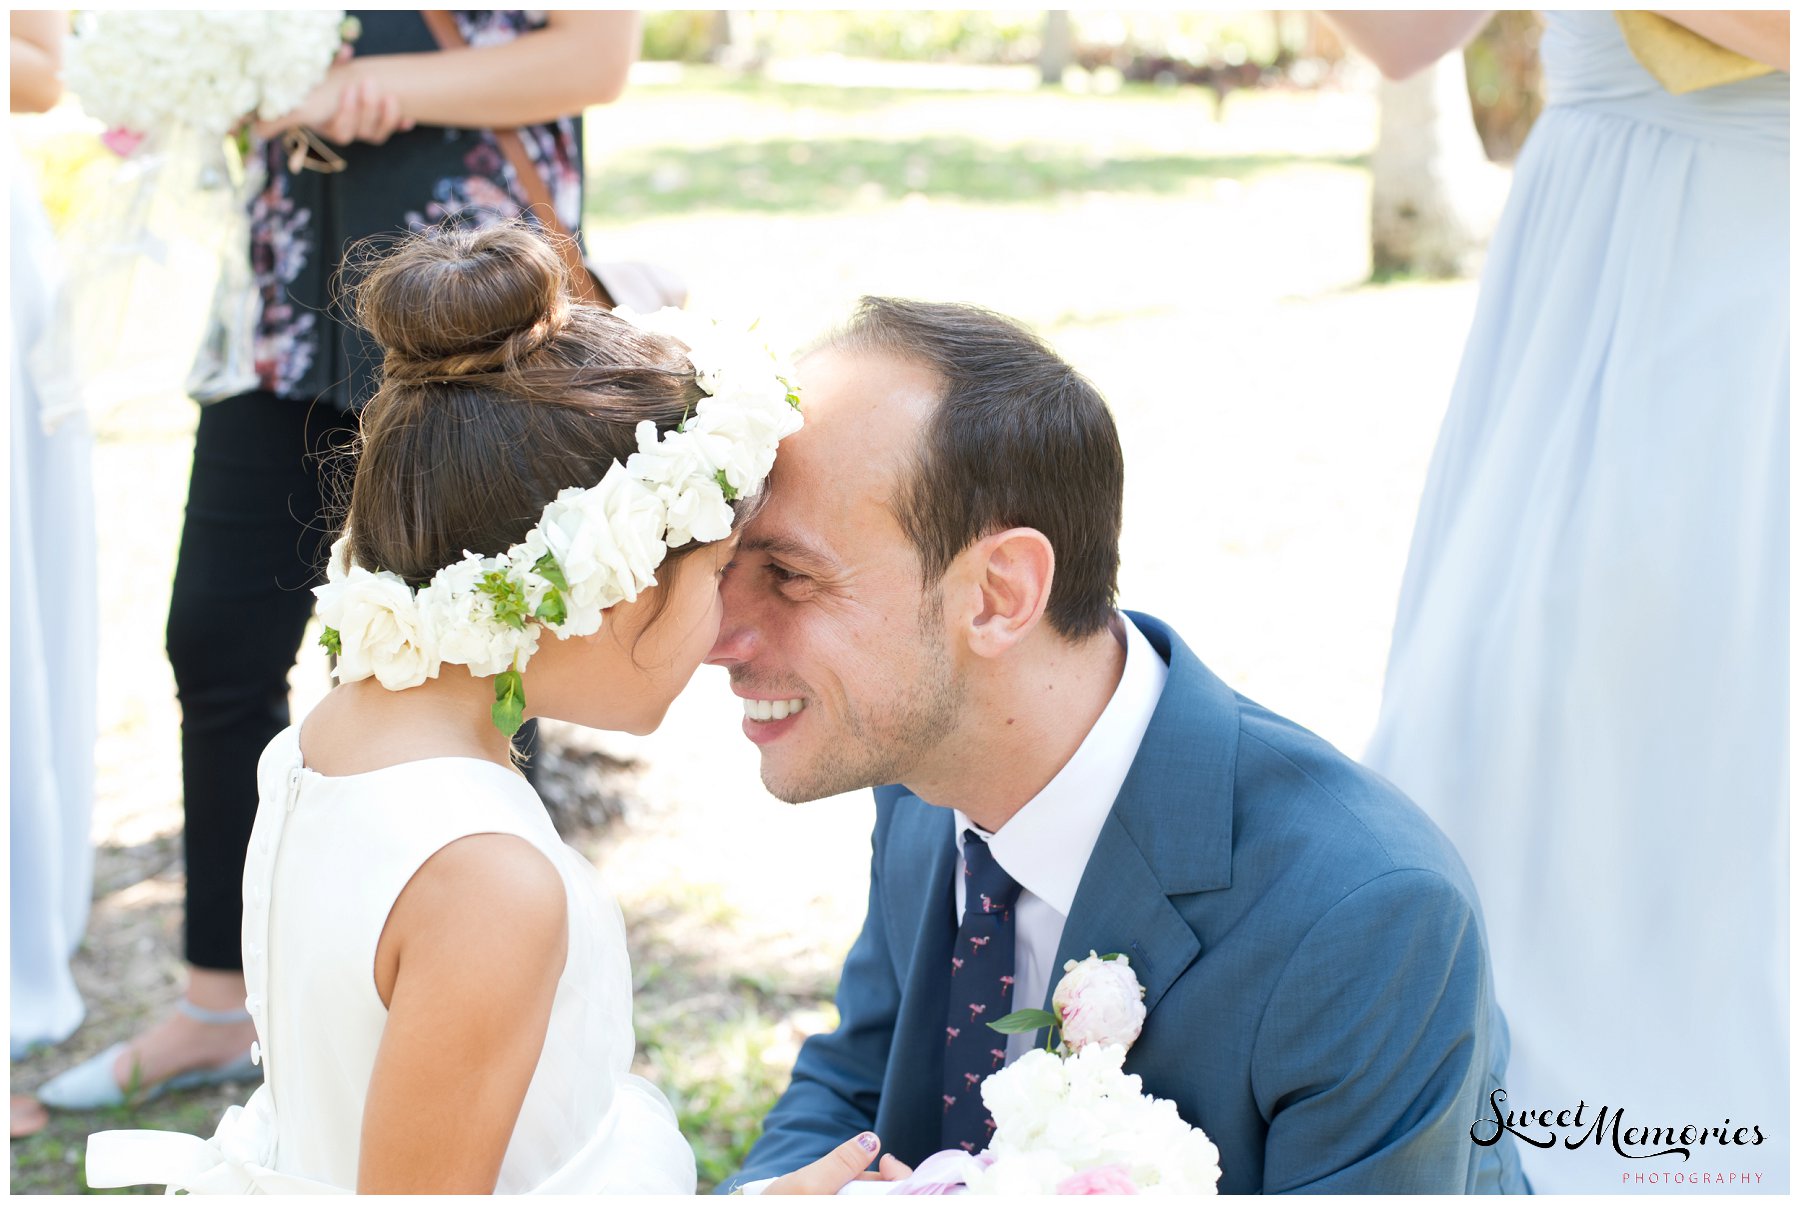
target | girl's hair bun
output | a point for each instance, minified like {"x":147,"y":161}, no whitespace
{"x":462,"y":302}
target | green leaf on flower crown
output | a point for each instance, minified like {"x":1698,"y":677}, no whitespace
{"x":350,"y":30}
{"x":1023,"y":1021}
{"x":550,"y":571}
{"x":553,"y":610}
{"x":509,"y":702}
{"x":334,"y":644}
{"x":729,"y":490}
{"x":1110,"y":957}
{"x":510,"y":607}
{"x":793,"y":392}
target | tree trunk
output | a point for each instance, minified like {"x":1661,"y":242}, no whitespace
{"x":1430,"y":175}
{"x":734,"y":41}
{"x":1059,"y":46}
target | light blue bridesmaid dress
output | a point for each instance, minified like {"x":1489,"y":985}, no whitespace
{"x":1588,"y":682}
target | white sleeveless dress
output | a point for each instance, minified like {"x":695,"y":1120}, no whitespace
{"x":328,"y":857}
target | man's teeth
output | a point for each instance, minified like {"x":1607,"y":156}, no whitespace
{"x":772,"y":709}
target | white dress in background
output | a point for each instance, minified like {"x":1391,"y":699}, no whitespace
{"x":1588,"y":686}
{"x":55,"y":634}
{"x":328,"y":857}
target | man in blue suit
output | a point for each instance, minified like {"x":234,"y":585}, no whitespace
{"x":927,"y":598}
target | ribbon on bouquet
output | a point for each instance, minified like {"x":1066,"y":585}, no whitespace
{"x":307,"y":152}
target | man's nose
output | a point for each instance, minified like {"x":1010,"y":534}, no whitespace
{"x":737,"y":634}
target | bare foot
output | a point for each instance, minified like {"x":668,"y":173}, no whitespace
{"x":28,"y":1117}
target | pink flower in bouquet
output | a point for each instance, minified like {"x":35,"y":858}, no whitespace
{"x":1099,"y":1002}
{"x":121,"y":141}
{"x":1108,"y":1180}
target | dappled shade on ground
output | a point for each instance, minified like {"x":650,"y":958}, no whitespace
{"x":797,"y":175}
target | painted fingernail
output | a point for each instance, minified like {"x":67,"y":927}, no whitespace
{"x":866,"y":1141}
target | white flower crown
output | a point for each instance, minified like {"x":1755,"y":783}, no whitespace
{"x":593,"y":547}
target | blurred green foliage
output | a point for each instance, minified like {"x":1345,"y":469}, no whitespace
{"x":1506,"y":82}
{"x":941,"y":36}
{"x":678,"y":36}
{"x":976,"y":36}
{"x":824,"y":174}
{"x":1222,"y":49}
{"x":1232,"y":38}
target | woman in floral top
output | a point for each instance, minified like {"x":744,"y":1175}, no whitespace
{"x":414,"y":126}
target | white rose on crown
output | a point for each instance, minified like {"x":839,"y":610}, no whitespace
{"x":676,"y":467}
{"x":726,"y":362}
{"x":469,"y":631}
{"x":764,"y":393}
{"x":750,"y":433}
{"x":603,"y":544}
{"x":697,"y":511}
{"x":382,"y":630}
{"x":627,"y":515}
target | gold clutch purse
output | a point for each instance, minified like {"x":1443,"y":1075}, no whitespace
{"x":1680,"y":59}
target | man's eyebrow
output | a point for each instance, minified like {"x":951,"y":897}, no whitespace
{"x":788,"y":549}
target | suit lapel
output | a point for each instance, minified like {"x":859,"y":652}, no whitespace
{"x":1121,"y":908}
{"x":1169,"y":831}
{"x":922,"y":847}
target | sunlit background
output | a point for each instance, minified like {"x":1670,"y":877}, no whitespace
{"x":1179,"y":202}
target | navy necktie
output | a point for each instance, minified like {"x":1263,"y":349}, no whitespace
{"x":981,"y":982}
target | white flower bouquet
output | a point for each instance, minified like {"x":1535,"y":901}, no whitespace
{"x":155,"y":71}
{"x":1068,"y":1119}
{"x":177,"y":91}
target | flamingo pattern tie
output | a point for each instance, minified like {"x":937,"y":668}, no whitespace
{"x":981,"y":982}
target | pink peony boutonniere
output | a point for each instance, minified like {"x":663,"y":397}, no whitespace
{"x":1098,"y":1002}
{"x":1067,"y":1118}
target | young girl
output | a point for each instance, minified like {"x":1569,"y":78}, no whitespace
{"x":542,"y":508}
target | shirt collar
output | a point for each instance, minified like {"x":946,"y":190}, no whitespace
{"x":1045,"y":846}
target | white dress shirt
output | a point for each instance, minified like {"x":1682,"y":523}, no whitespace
{"x":1045,"y":846}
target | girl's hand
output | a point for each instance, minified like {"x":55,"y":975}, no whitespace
{"x":827,"y":1175}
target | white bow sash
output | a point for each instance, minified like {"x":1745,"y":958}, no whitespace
{"x":236,"y":1159}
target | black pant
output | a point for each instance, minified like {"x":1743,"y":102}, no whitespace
{"x":253,"y":544}
{"x":267,"y":472}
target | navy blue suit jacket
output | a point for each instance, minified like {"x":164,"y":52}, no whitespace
{"x":1320,"y":1000}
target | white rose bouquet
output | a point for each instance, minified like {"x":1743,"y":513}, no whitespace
{"x":177,"y":91}
{"x":1068,"y":1119}
{"x":155,"y":71}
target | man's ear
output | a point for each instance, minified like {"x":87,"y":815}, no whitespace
{"x":1011,"y":572}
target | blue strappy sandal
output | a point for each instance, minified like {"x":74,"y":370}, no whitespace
{"x":90,"y":1085}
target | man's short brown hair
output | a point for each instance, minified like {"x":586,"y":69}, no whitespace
{"x":1018,"y":439}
